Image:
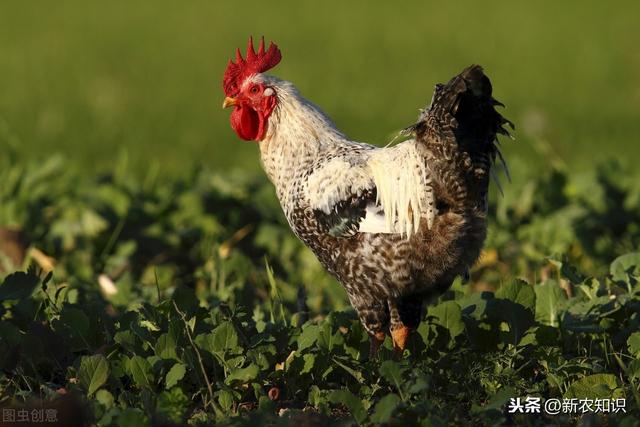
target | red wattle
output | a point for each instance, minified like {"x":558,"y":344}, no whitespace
{"x":246,"y":122}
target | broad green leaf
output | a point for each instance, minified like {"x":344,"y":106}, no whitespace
{"x":625,"y":264}
{"x":449,"y":315}
{"x":92,"y":223}
{"x":352,"y":402}
{"x":418,"y":385}
{"x":225,"y":399}
{"x":327,"y":339}
{"x":602,"y":386}
{"x":308,"y":337}
{"x":260,"y":355}
{"x":353,"y":372}
{"x":18,"y":286}
{"x":243,"y":375}
{"x":224,"y":338}
{"x":76,"y":320}
{"x":315,"y":397}
{"x":132,"y":417}
{"x":126,"y":339}
{"x":550,"y":300}
{"x":567,"y":270}
{"x":140,"y":370}
{"x":173,"y":404}
{"x":93,"y":373}
{"x":500,"y":398}
{"x":175,"y":374}
{"x":309,"y":361}
{"x":519,"y":292}
{"x":384,"y":408}
{"x":633,"y":368}
{"x":105,"y":398}
{"x":529,"y":338}
{"x":166,"y":347}
{"x":634,"y":344}
{"x":392,"y":372}
{"x":425,"y":330}
{"x":148,"y":324}
{"x":475,"y":305}
{"x":518,"y":319}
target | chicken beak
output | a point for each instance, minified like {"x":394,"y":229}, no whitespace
{"x":229,"y":102}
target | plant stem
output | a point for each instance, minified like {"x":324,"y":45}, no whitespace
{"x":214,"y":405}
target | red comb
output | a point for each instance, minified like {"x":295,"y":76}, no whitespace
{"x":237,"y":71}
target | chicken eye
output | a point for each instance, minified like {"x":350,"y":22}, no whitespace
{"x":254,"y":90}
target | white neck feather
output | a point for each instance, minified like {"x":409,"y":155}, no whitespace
{"x":298,"y":131}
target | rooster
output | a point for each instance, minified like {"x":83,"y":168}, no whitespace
{"x":394,"y":225}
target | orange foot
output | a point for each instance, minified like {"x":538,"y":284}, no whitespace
{"x":376,"y":341}
{"x":400,"y":335}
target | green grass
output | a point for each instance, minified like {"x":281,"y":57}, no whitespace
{"x":92,"y":80}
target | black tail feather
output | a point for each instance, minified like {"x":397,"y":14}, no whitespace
{"x":462,"y":113}
{"x":463,"y":110}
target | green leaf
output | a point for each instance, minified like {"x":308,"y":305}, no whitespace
{"x":517,"y":319}
{"x":352,"y":402}
{"x":500,"y":398}
{"x":18,"y":286}
{"x":308,"y":337}
{"x":634,"y":344}
{"x":175,"y":374}
{"x":519,"y":292}
{"x":225,"y":399}
{"x":126,"y":339}
{"x":567,"y":270}
{"x":315,"y":397}
{"x":75,"y":319}
{"x":598,"y":386}
{"x":449,"y":315}
{"x":529,"y":338}
{"x":261,"y":355}
{"x":309,"y":362}
{"x":327,"y":339}
{"x":93,"y":373}
{"x":474,"y":306}
{"x":148,"y":324}
{"x":105,"y":398}
{"x":384,"y":408}
{"x":173,"y":404}
{"x":166,"y":347}
{"x":353,"y":372}
{"x":550,"y":299}
{"x":633,"y":369}
{"x":140,"y":370}
{"x":392,"y":372}
{"x":623,"y":265}
{"x":132,"y":417}
{"x":243,"y":375}
{"x":224,"y":338}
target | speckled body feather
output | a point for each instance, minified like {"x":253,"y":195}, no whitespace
{"x":394,"y":225}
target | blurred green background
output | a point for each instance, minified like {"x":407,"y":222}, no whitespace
{"x":103,"y":81}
